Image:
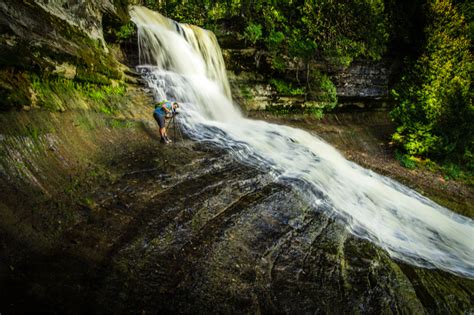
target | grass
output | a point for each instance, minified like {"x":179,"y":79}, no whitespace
{"x":33,"y":132}
{"x":85,"y":123}
{"x":449,"y":170}
{"x":120,"y":124}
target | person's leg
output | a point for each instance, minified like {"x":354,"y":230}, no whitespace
{"x":162,"y":124}
{"x":163,"y":132}
{"x":167,"y":139}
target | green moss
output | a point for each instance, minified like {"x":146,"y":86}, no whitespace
{"x":85,"y":123}
{"x":285,"y":110}
{"x":120,"y":124}
{"x":56,"y":93}
{"x":34,"y":132}
{"x":88,"y":75}
{"x":246,"y":92}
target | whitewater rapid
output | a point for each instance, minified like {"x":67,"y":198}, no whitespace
{"x":184,"y":63}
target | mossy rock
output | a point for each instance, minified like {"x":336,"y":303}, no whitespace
{"x":14,"y":90}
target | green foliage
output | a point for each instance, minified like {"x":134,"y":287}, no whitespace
{"x":469,"y":158}
{"x":416,"y":139}
{"x":253,"y":32}
{"x":336,"y":30}
{"x":295,"y":32}
{"x":452,"y":171}
{"x":317,"y":113}
{"x":278,"y":63}
{"x":274,"y":39}
{"x":125,"y":31}
{"x":322,"y":93}
{"x":435,"y":110}
{"x":246,"y":92}
{"x":456,"y":172}
{"x":323,"y":90}
{"x":285,"y":88}
{"x":405,"y":160}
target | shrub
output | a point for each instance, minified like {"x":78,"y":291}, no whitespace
{"x":323,"y":90}
{"x":435,"y":110}
{"x":285,"y":88}
{"x":125,"y":31}
{"x":253,"y":32}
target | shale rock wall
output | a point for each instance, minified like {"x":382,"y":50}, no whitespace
{"x":56,"y":39}
{"x":362,"y":85}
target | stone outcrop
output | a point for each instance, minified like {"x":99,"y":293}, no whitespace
{"x":61,"y":38}
{"x":40,"y":33}
{"x":97,"y":217}
{"x":124,"y":225}
{"x":363,"y":84}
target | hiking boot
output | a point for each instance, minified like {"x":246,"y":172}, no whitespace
{"x":168,"y":140}
{"x":164,"y":141}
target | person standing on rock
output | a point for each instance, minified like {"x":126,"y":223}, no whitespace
{"x":164,"y":109}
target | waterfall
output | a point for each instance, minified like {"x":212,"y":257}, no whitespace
{"x":184,"y":63}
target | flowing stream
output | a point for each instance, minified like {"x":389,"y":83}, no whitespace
{"x":184,"y":63}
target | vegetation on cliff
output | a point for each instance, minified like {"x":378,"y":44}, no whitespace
{"x":96,"y":217}
{"x":434,"y":111}
{"x":433,"y":101}
{"x":293,"y":35}
{"x":46,"y":59}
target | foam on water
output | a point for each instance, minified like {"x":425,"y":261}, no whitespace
{"x":184,"y":63}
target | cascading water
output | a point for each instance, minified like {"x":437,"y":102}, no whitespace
{"x":184,"y":63}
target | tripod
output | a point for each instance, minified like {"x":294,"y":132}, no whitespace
{"x":176,"y":127}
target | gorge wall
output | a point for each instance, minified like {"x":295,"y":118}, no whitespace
{"x":96,"y":217}
{"x":362,"y":85}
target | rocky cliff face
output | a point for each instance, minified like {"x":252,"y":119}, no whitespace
{"x":43,"y":31}
{"x":362,"y":85}
{"x":96,"y":217}
{"x":55,"y":38}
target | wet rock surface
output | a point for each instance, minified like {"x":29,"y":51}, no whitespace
{"x":232,"y":241}
{"x":97,"y":217}
{"x":52,"y":27}
{"x":365,"y":138}
{"x":184,"y":228}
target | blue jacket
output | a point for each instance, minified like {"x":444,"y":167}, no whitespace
{"x":160,"y":110}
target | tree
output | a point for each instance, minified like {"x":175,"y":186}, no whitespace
{"x":435,"y":110}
